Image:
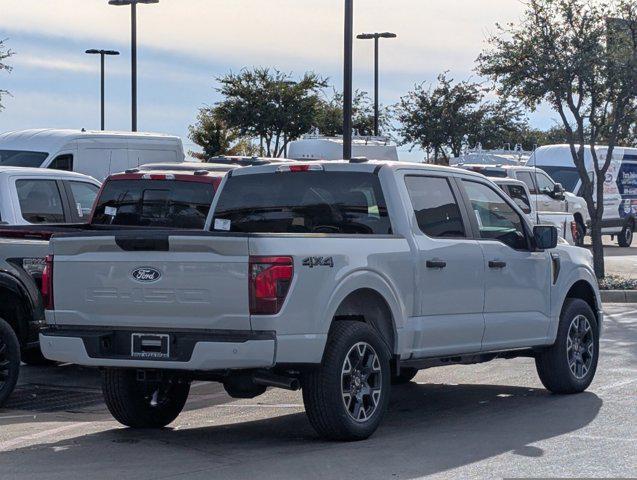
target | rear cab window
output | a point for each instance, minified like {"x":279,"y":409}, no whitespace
{"x":328,"y":202}
{"x":154,"y":203}
{"x":519,"y":196}
{"x":40,"y":201}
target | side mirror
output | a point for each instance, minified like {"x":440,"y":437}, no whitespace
{"x":545,"y":236}
{"x":558,"y":191}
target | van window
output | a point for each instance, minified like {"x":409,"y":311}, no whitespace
{"x":303,"y":202}
{"x":154,"y":203}
{"x":62,"y":162}
{"x":496,"y":219}
{"x":435,"y":206}
{"x":40,"y":201}
{"x":21,"y":158}
{"x":83,"y":195}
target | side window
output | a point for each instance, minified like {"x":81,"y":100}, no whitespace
{"x":435,"y":206}
{"x":83,"y":196}
{"x":519,"y":196}
{"x":40,"y":201}
{"x":495,"y":217}
{"x":62,"y":162}
{"x":527,"y":178}
{"x":544,"y":183}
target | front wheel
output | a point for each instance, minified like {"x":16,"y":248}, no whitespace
{"x":569,"y":365}
{"x":143,"y":404}
{"x":9,"y":360}
{"x":347,"y":396}
{"x":625,"y":238}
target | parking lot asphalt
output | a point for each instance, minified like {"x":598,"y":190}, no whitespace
{"x":492,"y":420}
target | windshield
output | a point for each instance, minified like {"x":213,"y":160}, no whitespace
{"x":567,"y":176}
{"x":21,"y":158}
{"x":309,"y":202}
{"x":154,"y":203}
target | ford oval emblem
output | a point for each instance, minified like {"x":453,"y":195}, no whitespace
{"x":146,"y":274}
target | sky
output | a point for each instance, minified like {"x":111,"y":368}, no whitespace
{"x":184,"y":45}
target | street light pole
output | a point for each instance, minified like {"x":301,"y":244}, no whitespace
{"x":102,"y":54}
{"x":347,"y":80}
{"x":376,"y":37}
{"x":133,"y":5}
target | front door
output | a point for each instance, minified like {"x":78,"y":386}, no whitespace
{"x":449,"y":271}
{"x":517,"y":279}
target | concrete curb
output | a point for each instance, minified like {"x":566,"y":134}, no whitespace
{"x":619,"y":296}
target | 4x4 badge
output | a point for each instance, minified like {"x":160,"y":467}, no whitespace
{"x":318,"y":262}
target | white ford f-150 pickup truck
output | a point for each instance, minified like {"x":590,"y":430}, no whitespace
{"x":339,"y":278}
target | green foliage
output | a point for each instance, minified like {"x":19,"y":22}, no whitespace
{"x":580,"y":57}
{"x":4,"y":54}
{"x":329,"y":115}
{"x":267,"y":104}
{"x":215,"y":138}
{"x":441,"y":119}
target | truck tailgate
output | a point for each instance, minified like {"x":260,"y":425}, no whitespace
{"x":150,"y":279}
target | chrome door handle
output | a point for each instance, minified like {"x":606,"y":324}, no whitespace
{"x":497,"y":264}
{"x":436,"y":264}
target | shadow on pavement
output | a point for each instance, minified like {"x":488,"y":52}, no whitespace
{"x":429,"y":428}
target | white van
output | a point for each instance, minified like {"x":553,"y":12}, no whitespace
{"x":319,"y":147}
{"x":93,"y":153}
{"x":620,"y":184}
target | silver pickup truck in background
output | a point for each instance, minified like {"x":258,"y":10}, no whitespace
{"x":339,"y":278}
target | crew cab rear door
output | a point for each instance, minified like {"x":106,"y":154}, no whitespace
{"x":151,"y":279}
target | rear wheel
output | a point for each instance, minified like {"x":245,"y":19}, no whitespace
{"x":406,"y":375}
{"x":347,"y":396}
{"x":569,"y":365}
{"x":9,"y":360}
{"x":143,"y":404}
{"x":625,"y":238}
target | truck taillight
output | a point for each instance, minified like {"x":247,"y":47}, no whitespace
{"x":270,"y":279}
{"x":47,"y":284}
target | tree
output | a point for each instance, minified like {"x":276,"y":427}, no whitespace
{"x":441,"y":118}
{"x":4,"y":54}
{"x":215,"y":138}
{"x":565,"y":53}
{"x":329,"y":116}
{"x":268,"y":105}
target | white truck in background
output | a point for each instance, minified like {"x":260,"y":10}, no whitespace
{"x":620,"y":185}
{"x":94,"y":153}
{"x":319,"y":147}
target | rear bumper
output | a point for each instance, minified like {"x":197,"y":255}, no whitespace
{"x":202,"y":351}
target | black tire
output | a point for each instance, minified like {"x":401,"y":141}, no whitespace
{"x":9,"y":360}
{"x":554,"y":364}
{"x":130,"y":401}
{"x":34,"y":357}
{"x":406,"y":376}
{"x":625,"y":238}
{"x":323,"y":393}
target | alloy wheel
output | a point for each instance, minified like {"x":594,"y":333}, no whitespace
{"x":361,"y":381}
{"x":580,"y":346}
{"x":5,"y":363}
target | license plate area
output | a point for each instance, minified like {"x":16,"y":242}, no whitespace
{"x":150,"y":345}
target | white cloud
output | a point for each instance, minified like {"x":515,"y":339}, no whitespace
{"x":52,"y":63}
{"x":433,"y":34}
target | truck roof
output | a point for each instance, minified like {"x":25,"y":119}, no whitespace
{"x":43,"y":172}
{"x":360,"y":165}
{"x":48,"y":139}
